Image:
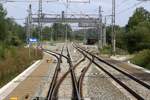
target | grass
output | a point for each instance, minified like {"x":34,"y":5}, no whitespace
{"x":142,"y":58}
{"x":108,"y":50}
{"x":14,"y":61}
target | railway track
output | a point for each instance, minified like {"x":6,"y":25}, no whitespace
{"x":77,"y":83}
{"x":55,"y":84}
{"x":121,"y":83}
{"x":81,"y":78}
{"x":55,"y":76}
{"x":76,"y":95}
{"x":60,"y":81}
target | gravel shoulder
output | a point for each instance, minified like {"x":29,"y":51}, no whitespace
{"x":28,"y":88}
{"x":137,"y":72}
{"x":99,"y":86}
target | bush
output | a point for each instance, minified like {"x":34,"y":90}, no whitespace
{"x":108,"y":50}
{"x":16,"y":60}
{"x":2,"y":51}
{"x":142,"y":59}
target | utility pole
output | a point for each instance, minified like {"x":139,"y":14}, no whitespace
{"x":113,"y":27}
{"x":104,"y":33}
{"x":69,"y":1}
{"x":29,"y":25}
{"x":66,"y":35}
{"x":40,"y":22}
{"x":52,"y":35}
{"x":85,"y":38}
{"x":100,"y":25}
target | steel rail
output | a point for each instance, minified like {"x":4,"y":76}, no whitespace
{"x":56,"y":53}
{"x":54,"y":79}
{"x":146,"y":85}
{"x":81,"y":78}
{"x":59,"y":82}
{"x":74,"y":80}
{"x":55,"y":76}
{"x":133,"y":93}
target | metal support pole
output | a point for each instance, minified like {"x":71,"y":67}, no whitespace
{"x":104,"y":33}
{"x":51,"y":35}
{"x":29,"y":23}
{"x":84,"y":39}
{"x":100,"y":46}
{"x":28,"y":34}
{"x":26,"y":29}
{"x":40,"y":22}
{"x":113,"y":27}
{"x":66,"y":36}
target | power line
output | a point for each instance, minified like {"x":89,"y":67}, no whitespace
{"x":118,"y":5}
{"x":135,"y":5}
{"x":121,"y":3}
{"x":20,"y":1}
{"x":78,"y":1}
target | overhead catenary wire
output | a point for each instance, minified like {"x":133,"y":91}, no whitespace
{"x":133,"y":6}
{"x":120,"y":4}
{"x":24,"y":1}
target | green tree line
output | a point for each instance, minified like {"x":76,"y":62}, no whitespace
{"x":135,"y":36}
{"x":11,"y":33}
{"x":57,"y":32}
{"x":14,"y":57}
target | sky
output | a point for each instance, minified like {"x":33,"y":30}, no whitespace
{"x":124,"y":8}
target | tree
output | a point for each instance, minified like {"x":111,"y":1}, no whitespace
{"x":59,"y":31}
{"x":120,"y":38}
{"x":47,"y":31}
{"x":136,"y":35}
{"x":139,"y":38}
{"x":92,"y":34}
{"x":119,"y":31}
{"x":108,"y":34}
{"x":2,"y":23}
{"x":35,"y":32}
{"x":15,"y":32}
{"x":68,"y":29}
{"x":139,"y":16}
{"x":78,"y":34}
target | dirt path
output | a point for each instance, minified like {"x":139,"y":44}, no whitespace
{"x":29,"y":87}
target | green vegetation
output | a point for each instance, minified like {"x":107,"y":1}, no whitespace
{"x":10,"y":32}
{"x":82,"y":34}
{"x":57,"y":31}
{"x":107,"y":50}
{"x":14,"y":58}
{"x":60,"y":31}
{"x":79,"y":35}
{"x":142,"y":58}
{"x":135,"y":37}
